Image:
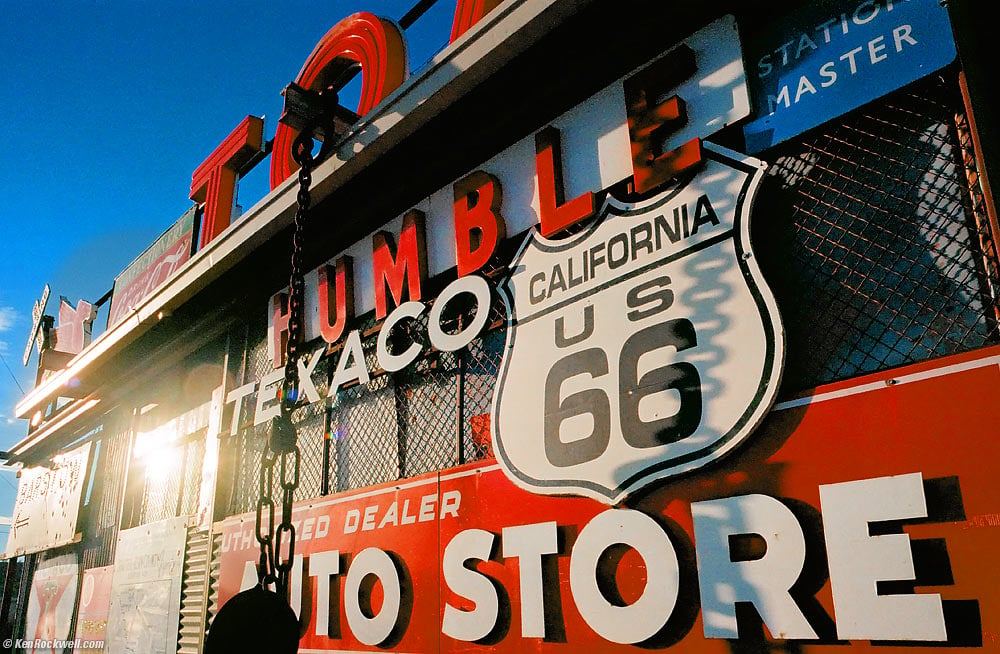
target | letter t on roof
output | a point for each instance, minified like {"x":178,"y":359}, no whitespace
{"x":213,"y":183}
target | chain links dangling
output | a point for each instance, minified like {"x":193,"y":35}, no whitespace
{"x":282,"y":449}
{"x":258,"y":619}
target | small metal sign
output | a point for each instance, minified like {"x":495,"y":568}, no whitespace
{"x":92,"y":616}
{"x":75,"y":326}
{"x":646,"y":346}
{"x":827,"y":59}
{"x":35,"y":336}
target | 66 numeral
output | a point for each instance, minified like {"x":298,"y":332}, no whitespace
{"x":594,"y":402}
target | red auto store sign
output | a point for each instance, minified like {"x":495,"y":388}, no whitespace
{"x":650,"y":491}
{"x":864,"y":512}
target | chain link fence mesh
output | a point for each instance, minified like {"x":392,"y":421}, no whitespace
{"x":250,"y":441}
{"x":865,"y":231}
{"x":190,"y":488}
{"x":431,"y":415}
{"x":168,"y":495}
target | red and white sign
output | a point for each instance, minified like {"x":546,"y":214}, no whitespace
{"x":50,"y":603}
{"x":548,"y":180}
{"x":95,"y":605}
{"x":646,"y":346}
{"x":153,"y":267}
{"x":866,"y":511}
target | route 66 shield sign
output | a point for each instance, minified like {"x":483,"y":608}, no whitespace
{"x":643,"y":347}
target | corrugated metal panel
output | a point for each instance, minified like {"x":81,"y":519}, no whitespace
{"x":213,"y":575}
{"x":194,"y":592}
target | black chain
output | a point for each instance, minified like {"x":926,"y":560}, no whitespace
{"x":274,"y":565}
{"x":265,"y":566}
{"x":302,"y":153}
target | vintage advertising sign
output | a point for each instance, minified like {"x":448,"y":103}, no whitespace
{"x":160,"y":260}
{"x":645,"y":346}
{"x":92,"y":616}
{"x":146,"y":588}
{"x":827,"y":59}
{"x":843,"y":523}
{"x":51,"y":603}
{"x":590,"y":148}
{"x":47,"y":504}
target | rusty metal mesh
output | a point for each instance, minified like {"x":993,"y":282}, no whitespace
{"x":190,"y":487}
{"x":432,"y":415}
{"x":251,"y":440}
{"x":867,"y":234}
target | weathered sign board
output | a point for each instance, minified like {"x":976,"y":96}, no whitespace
{"x":153,"y":267}
{"x":48,"y":503}
{"x":146,"y":588}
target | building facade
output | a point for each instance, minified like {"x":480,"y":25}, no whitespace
{"x":617,"y":326}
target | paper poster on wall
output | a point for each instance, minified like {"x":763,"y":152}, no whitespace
{"x":146,"y":588}
{"x":95,"y":603}
{"x":52,"y":599}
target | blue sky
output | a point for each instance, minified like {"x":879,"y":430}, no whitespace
{"x":107,"y":108}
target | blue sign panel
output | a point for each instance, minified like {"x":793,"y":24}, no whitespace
{"x":829,"y":58}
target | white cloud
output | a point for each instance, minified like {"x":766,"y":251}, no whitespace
{"x":8,"y":316}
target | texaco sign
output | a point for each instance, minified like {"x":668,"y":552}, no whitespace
{"x":646,"y":346}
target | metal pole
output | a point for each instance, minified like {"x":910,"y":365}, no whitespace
{"x":327,"y":436}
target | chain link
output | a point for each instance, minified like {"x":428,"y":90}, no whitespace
{"x":265,"y":539}
{"x":283,"y":564}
